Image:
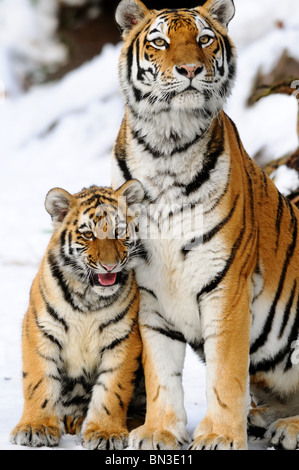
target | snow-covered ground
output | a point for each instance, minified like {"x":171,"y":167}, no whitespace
{"x":61,"y":134}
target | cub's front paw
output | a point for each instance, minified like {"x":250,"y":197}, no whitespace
{"x":95,"y":438}
{"x":35,"y":435}
{"x":217,"y":442}
{"x":148,"y":438}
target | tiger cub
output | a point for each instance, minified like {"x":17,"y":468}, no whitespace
{"x":81,"y":342}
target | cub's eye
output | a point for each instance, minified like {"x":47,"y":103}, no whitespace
{"x":88,"y":235}
{"x":205,"y":39}
{"x":159,"y":42}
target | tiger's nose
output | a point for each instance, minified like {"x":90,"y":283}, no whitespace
{"x":109,"y":267}
{"x":189,"y":70}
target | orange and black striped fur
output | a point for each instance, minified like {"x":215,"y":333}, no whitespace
{"x":221,"y":271}
{"x":81,"y":342}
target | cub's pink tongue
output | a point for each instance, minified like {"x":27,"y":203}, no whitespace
{"x":107,"y":279}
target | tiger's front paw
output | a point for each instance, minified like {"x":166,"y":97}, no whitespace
{"x":217,"y":442}
{"x":148,"y":438}
{"x":36,"y":435}
{"x":284,"y":433}
{"x":211,"y":435}
{"x":95,"y":438}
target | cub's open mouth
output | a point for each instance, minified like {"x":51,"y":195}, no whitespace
{"x":105,"y":279}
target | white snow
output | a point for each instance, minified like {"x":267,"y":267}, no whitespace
{"x":286,"y":179}
{"x":61,"y":134}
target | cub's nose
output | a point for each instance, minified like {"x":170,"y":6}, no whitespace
{"x":189,"y":70}
{"x":109,"y":267}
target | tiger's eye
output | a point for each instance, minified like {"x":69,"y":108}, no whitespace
{"x":159,"y":42}
{"x":88,"y":235}
{"x":204,"y":39}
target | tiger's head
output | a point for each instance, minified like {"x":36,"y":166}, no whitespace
{"x":176,"y":59}
{"x":94,"y":238}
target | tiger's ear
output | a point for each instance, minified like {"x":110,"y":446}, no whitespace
{"x":57,"y":203}
{"x":222,"y":10}
{"x":133,"y":192}
{"x":128,"y":14}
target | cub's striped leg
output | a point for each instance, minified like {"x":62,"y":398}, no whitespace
{"x":105,"y":425}
{"x":40,"y":422}
{"x":226,"y":329}
{"x":163,"y":360}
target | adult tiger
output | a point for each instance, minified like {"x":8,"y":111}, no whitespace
{"x":231,"y":285}
{"x":81,"y":342}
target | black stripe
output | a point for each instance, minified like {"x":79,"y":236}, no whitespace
{"x":261,"y":340}
{"x":228,"y":48}
{"x":44,"y":332}
{"x":100,"y":384}
{"x":156,"y":153}
{"x":69,"y":383}
{"x":71,"y":251}
{"x":95,"y":198}
{"x":221,"y":69}
{"x":124,"y":167}
{"x":119,"y":315}
{"x":115,"y":343}
{"x":209,"y":235}
{"x":49,"y":336}
{"x":278,"y":218}
{"x":130,"y":60}
{"x":221,"y":275}
{"x":76,"y":400}
{"x":293,"y":336}
{"x":121,"y":403}
{"x":45,"y":404}
{"x":215,"y":150}
{"x":63,"y":237}
{"x":52,"y":312}
{"x":237,"y":135}
{"x":148,"y":291}
{"x":287,"y":311}
{"x":58,"y":275}
{"x":271,"y":363}
{"x":35,"y":388}
{"x":54,"y":315}
{"x":172,"y":334}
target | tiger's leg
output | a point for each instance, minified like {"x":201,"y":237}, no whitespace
{"x":105,"y":425}
{"x":163,"y":360}
{"x":40,"y":422}
{"x":226,"y":329}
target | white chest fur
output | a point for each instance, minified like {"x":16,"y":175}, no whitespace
{"x":82,"y":345}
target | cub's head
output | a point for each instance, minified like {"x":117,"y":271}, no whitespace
{"x":94,"y":238}
{"x":176,"y":59}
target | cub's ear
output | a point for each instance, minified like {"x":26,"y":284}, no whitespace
{"x":222,"y":10}
{"x":57,"y":203}
{"x":133,"y":192}
{"x":128,"y":14}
